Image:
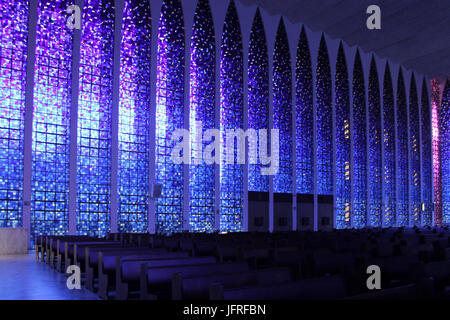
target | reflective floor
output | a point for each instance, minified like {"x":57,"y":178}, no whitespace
{"x":23,"y":278}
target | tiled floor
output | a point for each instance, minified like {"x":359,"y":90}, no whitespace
{"x":23,"y":278}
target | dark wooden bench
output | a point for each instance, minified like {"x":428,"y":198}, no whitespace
{"x":396,"y":271}
{"x":129,"y":272}
{"x":91,"y":258}
{"x":437,"y":273}
{"x":227,"y":252}
{"x":406,"y":292}
{"x":207,"y":248}
{"x":324,"y":288}
{"x":73,"y":250}
{"x":44,"y":244}
{"x":76,"y":251}
{"x":156,"y":281}
{"x":109,"y":263}
{"x":51,"y":245}
{"x":197,"y":287}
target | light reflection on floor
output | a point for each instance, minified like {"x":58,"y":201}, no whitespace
{"x":23,"y":278}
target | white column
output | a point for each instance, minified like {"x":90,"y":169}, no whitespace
{"x":74,"y":128}
{"x":218,"y":10}
{"x":155,"y":11}
{"x":246,"y":15}
{"x":119,"y":5}
{"x":293,"y":33}
{"x":270,"y":27}
{"x":188,"y":14}
{"x":28,"y":125}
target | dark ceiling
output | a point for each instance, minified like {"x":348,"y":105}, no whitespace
{"x":415,"y":33}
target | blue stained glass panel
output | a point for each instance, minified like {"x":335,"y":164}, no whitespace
{"x":231,"y":118}
{"x":94,"y":118}
{"x":134,"y":120}
{"x":389,"y":150}
{"x":13,"y":56}
{"x":304,"y":117}
{"x":202,"y":109}
{"x":258,"y":99}
{"x":402,"y":154}
{"x":282,"y":110}
{"x":343,"y":154}
{"x":359,"y":165}
{"x":414,"y":152}
{"x":374,"y":148}
{"x":169,"y":116}
{"x":51,"y":121}
{"x":324,"y":122}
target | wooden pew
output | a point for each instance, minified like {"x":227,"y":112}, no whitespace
{"x":91,"y":258}
{"x":207,"y":248}
{"x":406,"y":292}
{"x":172,"y":243}
{"x":437,"y":273}
{"x":324,"y":288}
{"x":406,"y":251}
{"x":54,"y":246}
{"x":70,"y":250}
{"x":396,"y":270}
{"x":156,"y":281}
{"x":197,"y":287}
{"x":107,"y":266}
{"x":227,"y":252}
{"x":295,"y":260}
{"x":77,"y":253}
{"x":129,"y":272}
{"x":333,"y":263}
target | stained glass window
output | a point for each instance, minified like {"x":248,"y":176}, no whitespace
{"x":402,"y":154}
{"x":389,"y":157}
{"x":389,"y":150}
{"x":359,"y":181}
{"x":258,"y":99}
{"x":231,"y":118}
{"x":374,"y":148}
{"x":343,"y":154}
{"x":94,"y":118}
{"x":202,"y":110}
{"x":445,"y":153}
{"x":134,"y":110}
{"x":282,"y":110}
{"x":427,"y":195}
{"x":169,"y":116}
{"x":414,"y":151}
{"x":304,"y":117}
{"x":51,"y":120}
{"x":13,"y":56}
{"x":436,"y":141}
{"x":324,"y":122}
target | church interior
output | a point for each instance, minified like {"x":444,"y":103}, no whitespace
{"x":199,"y":150}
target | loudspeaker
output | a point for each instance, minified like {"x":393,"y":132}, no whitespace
{"x":156,"y":190}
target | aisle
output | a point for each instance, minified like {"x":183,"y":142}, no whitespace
{"x":23,"y":278}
